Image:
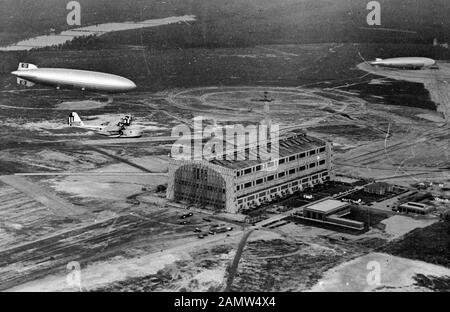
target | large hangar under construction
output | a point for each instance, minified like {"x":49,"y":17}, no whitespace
{"x":234,"y":186}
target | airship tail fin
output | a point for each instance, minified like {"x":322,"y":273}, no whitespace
{"x":24,"y":82}
{"x":75,"y":120}
{"x":26,"y":66}
{"x":364,"y":60}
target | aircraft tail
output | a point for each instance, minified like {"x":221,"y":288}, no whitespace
{"x":75,"y":121}
{"x":24,"y":82}
{"x":26,"y":66}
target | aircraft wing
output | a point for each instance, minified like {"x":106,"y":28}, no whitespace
{"x":113,"y":128}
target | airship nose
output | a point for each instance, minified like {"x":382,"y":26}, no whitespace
{"x":130,"y":85}
{"x":15,"y":73}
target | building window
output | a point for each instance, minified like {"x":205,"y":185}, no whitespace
{"x":313,"y":152}
{"x":292,"y":158}
{"x":248,"y":184}
{"x":292,"y":171}
{"x":270,"y":178}
{"x":302,"y":168}
{"x":302,"y":155}
{"x":312,"y":165}
{"x":247,"y":171}
{"x":282,"y":161}
{"x":259,"y":181}
{"x":258,"y":168}
{"x":322,"y":150}
{"x":280,"y":175}
{"x":322,"y":162}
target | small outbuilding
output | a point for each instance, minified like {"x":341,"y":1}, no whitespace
{"x":415,"y":208}
{"x":331,"y":211}
{"x":379,"y":188}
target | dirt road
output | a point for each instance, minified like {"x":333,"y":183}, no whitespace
{"x":59,"y":206}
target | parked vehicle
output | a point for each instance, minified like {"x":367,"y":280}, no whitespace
{"x":187,"y":215}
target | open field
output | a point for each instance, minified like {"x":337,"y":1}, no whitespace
{"x":93,"y":200}
{"x":236,"y":23}
{"x":430,"y":244}
{"x":284,"y":265}
{"x":110,"y":237}
{"x":396,"y":274}
{"x":434,"y":80}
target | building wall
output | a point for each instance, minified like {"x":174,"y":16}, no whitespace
{"x":198,"y":181}
{"x":269,"y":194}
{"x":255,"y":185}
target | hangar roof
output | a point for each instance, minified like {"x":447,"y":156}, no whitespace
{"x":290,"y":144}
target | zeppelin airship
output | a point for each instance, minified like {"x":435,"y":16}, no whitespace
{"x":405,"y":62}
{"x":29,"y":75}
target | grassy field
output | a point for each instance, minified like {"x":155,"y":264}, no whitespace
{"x":283,"y":265}
{"x":280,"y":65}
{"x":239,"y":22}
{"x":430,"y":244}
{"x":433,"y":282}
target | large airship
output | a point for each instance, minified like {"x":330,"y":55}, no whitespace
{"x":29,"y":75}
{"x":405,"y":62}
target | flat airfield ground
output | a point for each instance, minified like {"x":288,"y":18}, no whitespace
{"x":93,"y":181}
{"x":435,"y":80}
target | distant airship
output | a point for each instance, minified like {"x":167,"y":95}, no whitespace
{"x":29,"y":75}
{"x":405,"y":63}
